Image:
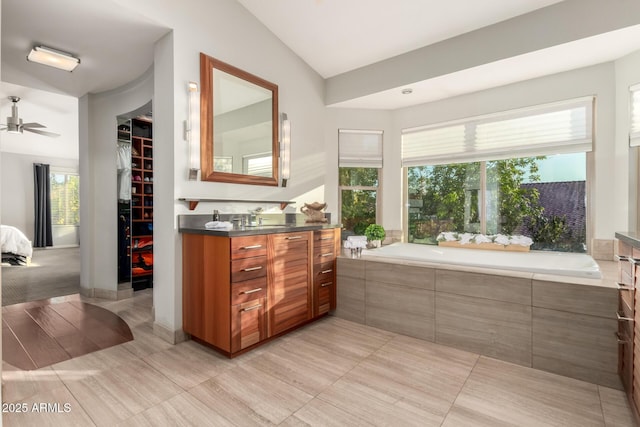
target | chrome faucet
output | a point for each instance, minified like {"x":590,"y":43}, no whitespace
{"x":253,"y":216}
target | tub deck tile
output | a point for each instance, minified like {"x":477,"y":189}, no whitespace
{"x":500,"y":288}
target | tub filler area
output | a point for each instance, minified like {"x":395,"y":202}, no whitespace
{"x":543,"y":262}
{"x":532,"y":309}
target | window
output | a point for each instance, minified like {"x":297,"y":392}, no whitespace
{"x":65,"y":198}
{"x":360,"y":160}
{"x":469,"y":177}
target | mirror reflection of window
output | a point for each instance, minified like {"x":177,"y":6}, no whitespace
{"x":257,"y":165}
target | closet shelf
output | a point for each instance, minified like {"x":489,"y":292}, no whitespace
{"x":193,"y":202}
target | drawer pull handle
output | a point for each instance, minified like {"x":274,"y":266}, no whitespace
{"x":620,"y":339}
{"x":326,"y":284}
{"x":326,"y":271}
{"x":327,"y":254}
{"x":628,"y":258}
{"x":293,"y":237}
{"x":621,"y":316}
{"x":254,"y":307}
{"x":251,"y":247}
{"x":252,"y":291}
{"x":252,"y":268}
{"x":623,"y":287}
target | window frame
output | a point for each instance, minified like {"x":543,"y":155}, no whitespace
{"x":589,"y":202}
{"x":377,"y":189}
{"x":54,"y":170}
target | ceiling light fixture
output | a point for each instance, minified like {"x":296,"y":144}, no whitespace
{"x":407,"y":91}
{"x":53,"y":58}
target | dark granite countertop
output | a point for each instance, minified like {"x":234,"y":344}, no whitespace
{"x":629,"y":237}
{"x":194,"y":224}
{"x":256,"y":229}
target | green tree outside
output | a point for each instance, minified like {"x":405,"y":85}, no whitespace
{"x":445,"y":197}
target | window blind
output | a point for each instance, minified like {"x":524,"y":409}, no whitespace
{"x":558,"y":128}
{"x":634,"y":131}
{"x":260,"y":165}
{"x":360,"y":148}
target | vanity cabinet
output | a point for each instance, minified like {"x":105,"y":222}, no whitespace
{"x":628,"y":315}
{"x":241,"y":290}
{"x":326,"y":246}
{"x":289,"y":280}
{"x":224,"y":290}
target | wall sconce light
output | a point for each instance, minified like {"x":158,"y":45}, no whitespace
{"x":192,"y":88}
{"x":285,"y":150}
{"x":53,"y":58}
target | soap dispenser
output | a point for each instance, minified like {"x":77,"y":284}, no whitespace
{"x":216,"y":215}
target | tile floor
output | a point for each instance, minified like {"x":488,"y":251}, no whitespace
{"x":330,"y":373}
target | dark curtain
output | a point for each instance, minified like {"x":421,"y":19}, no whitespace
{"x":42,"y":206}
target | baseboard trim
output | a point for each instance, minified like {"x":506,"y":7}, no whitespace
{"x":168,"y":335}
{"x":121,"y":293}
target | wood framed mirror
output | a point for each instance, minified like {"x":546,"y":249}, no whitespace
{"x":238,"y":125}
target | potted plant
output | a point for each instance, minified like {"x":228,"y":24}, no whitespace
{"x":375,"y":234}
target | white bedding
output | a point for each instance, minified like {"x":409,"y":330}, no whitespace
{"x":14,"y":241}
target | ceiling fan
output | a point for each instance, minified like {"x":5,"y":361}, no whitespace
{"x":14,"y":123}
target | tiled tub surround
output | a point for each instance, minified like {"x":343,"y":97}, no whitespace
{"x":559,"y":324}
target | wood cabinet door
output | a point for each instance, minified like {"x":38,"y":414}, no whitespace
{"x":289,"y":284}
{"x":248,"y":324}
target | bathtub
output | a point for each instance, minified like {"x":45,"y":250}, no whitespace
{"x":557,"y":263}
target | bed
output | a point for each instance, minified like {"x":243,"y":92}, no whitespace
{"x":16,"y":248}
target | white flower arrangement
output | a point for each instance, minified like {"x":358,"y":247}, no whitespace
{"x":498,"y":239}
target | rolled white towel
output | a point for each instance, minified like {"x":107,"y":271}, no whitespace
{"x":348,"y":244}
{"x":501,"y":239}
{"x":465,"y":238}
{"x":357,"y":238}
{"x":220,"y":225}
{"x":481,"y":238}
{"x":521,"y":240}
{"x":448,"y":236}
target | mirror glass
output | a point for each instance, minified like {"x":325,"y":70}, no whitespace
{"x":239,"y":125}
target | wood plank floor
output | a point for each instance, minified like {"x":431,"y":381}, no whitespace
{"x":37,"y":334}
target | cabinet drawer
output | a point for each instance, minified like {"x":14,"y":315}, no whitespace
{"x":248,"y":290}
{"x":324,"y":253}
{"x":626,"y":273}
{"x":248,"y":324}
{"x":288,"y":238}
{"x":323,"y":272}
{"x":248,"y":268}
{"x":323,"y":236}
{"x":248,"y":246}
{"x":325,"y":291}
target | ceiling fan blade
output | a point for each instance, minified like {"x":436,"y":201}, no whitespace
{"x":42,"y":132}
{"x":33,"y":125}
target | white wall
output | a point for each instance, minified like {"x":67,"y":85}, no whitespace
{"x":627,"y":74}
{"x":98,"y":178}
{"x":16,"y":176}
{"x":598,"y":80}
{"x":338,"y":118}
{"x":225,"y":30}
{"x":59,"y":113}
{"x":610,"y":186}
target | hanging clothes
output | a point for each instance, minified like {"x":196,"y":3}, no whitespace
{"x":124,"y":170}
